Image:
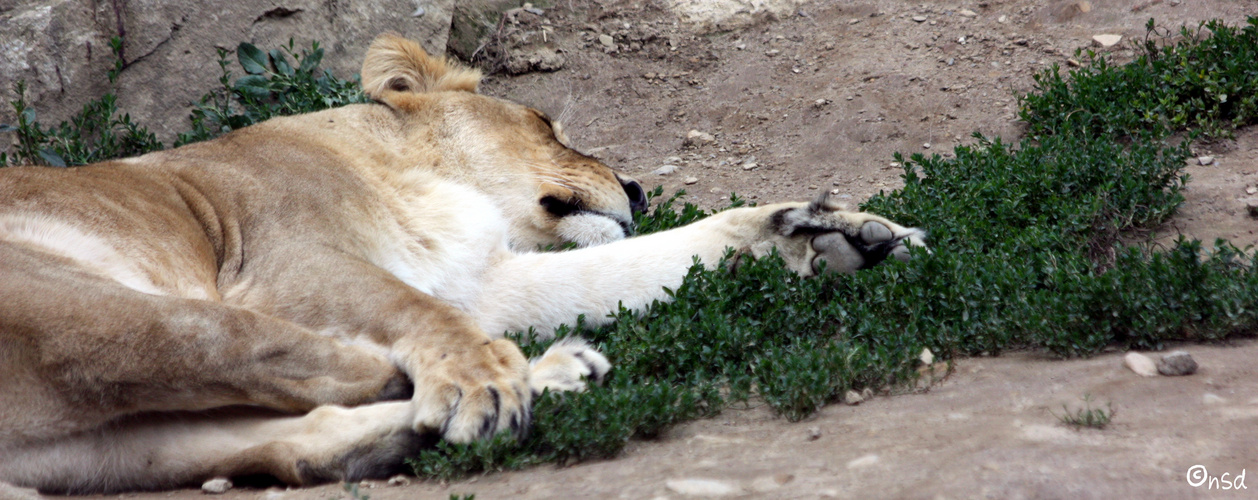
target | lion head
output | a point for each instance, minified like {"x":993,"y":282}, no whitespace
{"x":549,"y":192}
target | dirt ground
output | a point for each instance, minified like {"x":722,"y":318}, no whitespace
{"x":820,"y":100}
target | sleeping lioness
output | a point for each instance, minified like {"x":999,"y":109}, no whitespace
{"x":257,"y":304}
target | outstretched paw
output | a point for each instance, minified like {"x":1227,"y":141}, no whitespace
{"x":843,"y":241}
{"x":566,"y":367}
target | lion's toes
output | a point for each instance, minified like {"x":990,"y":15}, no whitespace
{"x":486,"y":411}
{"x":871,"y":243}
{"x":566,"y":367}
{"x":465,"y":401}
{"x":873,"y":232}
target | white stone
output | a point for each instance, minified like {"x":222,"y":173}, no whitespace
{"x":691,"y":180}
{"x":750,"y":165}
{"x":701,"y":487}
{"x":697,"y":137}
{"x":927,"y":357}
{"x":1002,"y":19}
{"x":1106,"y":40}
{"x":1141,"y":364}
{"x":853,"y":398}
{"x":216,"y":486}
{"x":1205,"y":160}
{"x":968,"y":13}
{"x":399,"y":480}
{"x":665,"y":170}
{"x":920,"y":19}
{"x":607,"y":40}
{"x":1212,"y":399}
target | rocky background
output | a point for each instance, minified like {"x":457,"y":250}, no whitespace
{"x":60,"y":48}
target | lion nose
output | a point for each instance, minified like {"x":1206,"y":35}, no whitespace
{"x":637,"y":197}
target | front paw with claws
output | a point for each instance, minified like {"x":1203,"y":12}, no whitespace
{"x":475,"y":395}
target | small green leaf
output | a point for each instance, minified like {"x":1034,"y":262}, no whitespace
{"x":51,"y":158}
{"x":311,"y":61}
{"x":252,"y":59}
{"x":254,"y":86}
{"x":281,"y":63}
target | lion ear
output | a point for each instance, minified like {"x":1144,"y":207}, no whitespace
{"x":395,"y":64}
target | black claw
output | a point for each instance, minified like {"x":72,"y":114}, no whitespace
{"x":493,"y":391}
{"x":454,"y":410}
{"x":487,"y":426}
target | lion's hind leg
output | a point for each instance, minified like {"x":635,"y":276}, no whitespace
{"x":168,"y":450}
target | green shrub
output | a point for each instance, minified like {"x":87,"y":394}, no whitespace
{"x":271,"y":86}
{"x":1205,"y":81}
{"x":95,"y":134}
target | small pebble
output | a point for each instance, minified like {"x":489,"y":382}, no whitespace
{"x":750,"y":165}
{"x":665,"y":170}
{"x":216,"y":486}
{"x":1177,"y":363}
{"x":1141,"y":364}
{"x":399,"y":480}
{"x":1205,"y":160}
{"x":607,"y":40}
{"x":968,"y":13}
{"x":814,"y":433}
{"x":1003,"y":19}
{"x":926,"y":146}
{"x":1212,"y":399}
{"x":1106,"y":40}
{"x":691,"y":180}
{"x":853,"y":398}
{"x":864,"y":461}
{"x":920,"y":19}
{"x":701,"y":487}
{"x":927,"y":357}
{"x":695,"y":137}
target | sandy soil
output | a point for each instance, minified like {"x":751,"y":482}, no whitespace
{"x":821,"y":100}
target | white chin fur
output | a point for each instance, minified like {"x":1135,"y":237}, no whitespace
{"x":586,"y":229}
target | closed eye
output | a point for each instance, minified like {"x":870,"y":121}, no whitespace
{"x":560,"y":208}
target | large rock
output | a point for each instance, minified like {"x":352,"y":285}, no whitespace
{"x":61,"y":47}
{"x":718,"y":15}
{"x":474,"y":21}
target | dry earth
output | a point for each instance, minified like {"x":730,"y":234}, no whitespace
{"x":820,"y":99}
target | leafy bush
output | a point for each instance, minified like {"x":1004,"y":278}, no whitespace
{"x":271,"y":86}
{"x":1205,"y":81}
{"x":97,"y":133}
